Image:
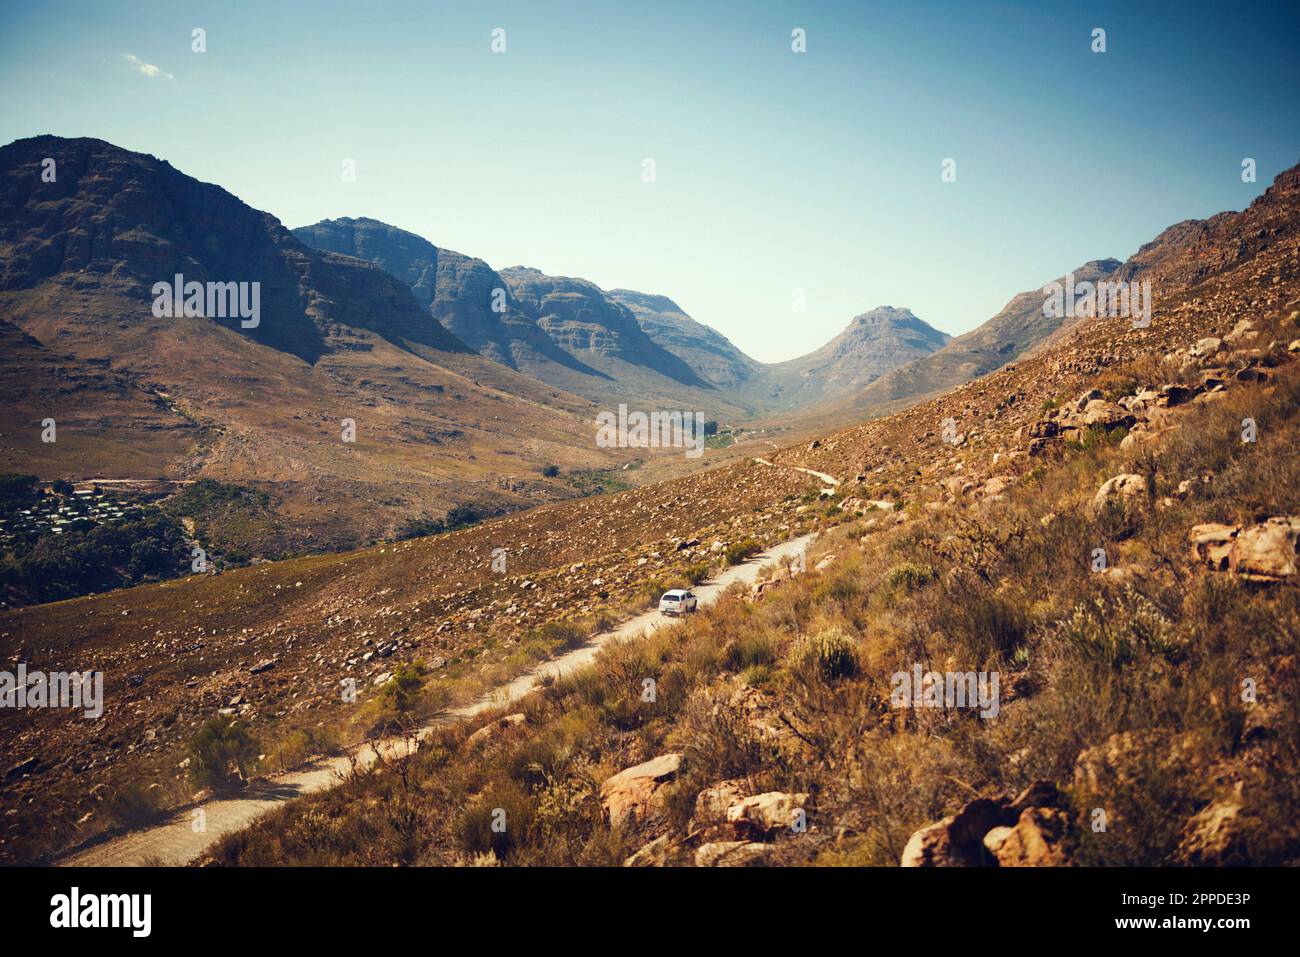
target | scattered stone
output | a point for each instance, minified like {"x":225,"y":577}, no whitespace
{"x":732,"y":854}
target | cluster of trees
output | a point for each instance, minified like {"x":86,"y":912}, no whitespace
{"x":85,"y":556}
{"x":82,"y":560}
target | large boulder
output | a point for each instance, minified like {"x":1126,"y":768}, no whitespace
{"x":1027,"y":830}
{"x":1212,"y":543}
{"x":761,"y":814}
{"x":1122,"y":491}
{"x":1267,"y":552}
{"x":634,"y":794}
{"x":1038,"y":839}
{"x":956,"y":841}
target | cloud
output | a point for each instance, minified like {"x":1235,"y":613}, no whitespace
{"x":148,"y":69}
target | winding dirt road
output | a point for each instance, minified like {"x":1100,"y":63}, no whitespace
{"x":181,"y":838}
{"x":828,"y":479}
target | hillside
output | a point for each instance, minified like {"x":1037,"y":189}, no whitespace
{"x":776,"y":736}
{"x":258,"y":403}
{"x":1018,"y":328}
{"x":874,"y":343}
{"x":456,"y":289}
{"x":706,"y":350}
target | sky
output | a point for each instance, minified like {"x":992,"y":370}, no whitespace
{"x":779,"y":177}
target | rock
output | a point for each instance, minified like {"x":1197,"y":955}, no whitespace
{"x":1122,"y":491}
{"x":763,"y":813}
{"x":633,"y":794}
{"x":1038,"y":839}
{"x":1046,"y":429}
{"x":264,"y":665}
{"x":1243,"y":331}
{"x":1294,"y":346}
{"x":654,"y":854}
{"x":732,"y":854}
{"x":1216,"y":835}
{"x":1205,"y":348}
{"x":494,"y":729}
{"x":1212,"y":543}
{"x":1266,"y":552}
{"x":956,"y":841}
{"x":1082,"y":401}
{"x":712,"y":803}
{"x":25,"y":766}
{"x":1174,"y":395}
{"x":1107,"y":415}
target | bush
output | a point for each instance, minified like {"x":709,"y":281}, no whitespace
{"x":551,"y":471}
{"x":402,"y":694}
{"x":829,"y":654}
{"x":910,"y":576}
{"x":223,"y":753}
{"x":739,"y":551}
{"x":132,"y":804}
{"x":697,"y":573}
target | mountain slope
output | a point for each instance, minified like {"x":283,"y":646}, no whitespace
{"x":337,"y":338}
{"x":874,"y":343}
{"x":1019,"y":327}
{"x":706,"y":350}
{"x":457,"y":290}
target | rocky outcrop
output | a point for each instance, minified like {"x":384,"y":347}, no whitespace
{"x":1030,"y":830}
{"x":634,"y":794}
{"x":1264,"y":552}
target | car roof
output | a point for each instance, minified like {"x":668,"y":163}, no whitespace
{"x":675,"y":591}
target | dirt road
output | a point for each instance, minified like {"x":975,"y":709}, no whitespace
{"x":187,"y":834}
{"x":828,"y":479}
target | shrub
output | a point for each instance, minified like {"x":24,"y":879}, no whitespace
{"x":910,"y":576}
{"x":829,"y":654}
{"x":132,"y":804}
{"x":739,"y":551}
{"x":223,"y":752}
{"x":402,"y":694}
{"x":551,"y":471}
{"x":697,"y":573}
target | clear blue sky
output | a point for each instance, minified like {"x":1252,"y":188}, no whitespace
{"x":775,"y":170}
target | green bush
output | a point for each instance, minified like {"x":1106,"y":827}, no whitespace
{"x":739,"y":551}
{"x":910,"y":575}
{"x":697,"y":573}
{"x":223,"y":752}
{"x":829,"y":654}
{"x":402,"y":694}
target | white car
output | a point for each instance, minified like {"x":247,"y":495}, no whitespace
{"x":677,"y":602}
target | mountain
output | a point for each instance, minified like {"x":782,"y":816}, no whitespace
{"x":1018,"y":328}
{"x":874,"y":343}
{"x":457,"y":290}
{"x":335,"y":338}
{"x":973,"y":550}
{"x":577,"y":315}
{"x":567,"y":333}
{"x":707,"y":351}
